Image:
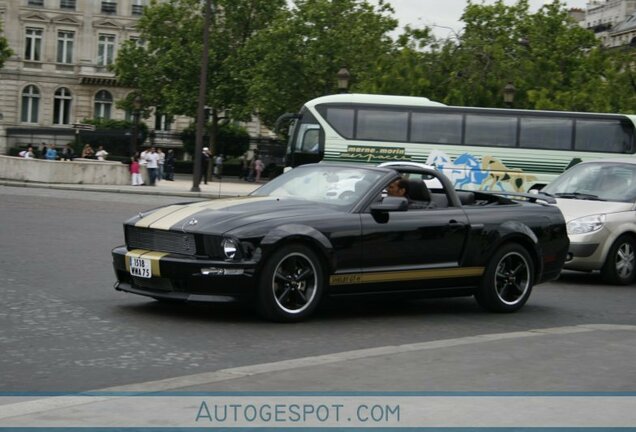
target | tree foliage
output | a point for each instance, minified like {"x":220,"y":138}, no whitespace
{"x":299,"y":54}
{"x":5,"y":51}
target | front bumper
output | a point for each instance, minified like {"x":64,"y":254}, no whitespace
{"x":186,"y":278}
{"x":588,"y":251}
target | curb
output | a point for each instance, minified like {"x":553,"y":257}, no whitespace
{"x":147,"y":190}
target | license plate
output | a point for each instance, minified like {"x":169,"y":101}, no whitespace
{"x":140,"y":267}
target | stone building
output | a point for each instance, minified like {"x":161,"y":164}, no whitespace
{"x":59,"y":74}
{"x":610,"y":21}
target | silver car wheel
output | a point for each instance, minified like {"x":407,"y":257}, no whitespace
{"x":625,"y":259}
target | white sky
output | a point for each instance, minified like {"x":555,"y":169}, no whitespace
{"x":446,"y":13}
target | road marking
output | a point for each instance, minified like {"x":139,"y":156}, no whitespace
{"x":52,"y":403}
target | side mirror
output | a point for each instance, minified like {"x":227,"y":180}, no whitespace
{"x":390,"y":204}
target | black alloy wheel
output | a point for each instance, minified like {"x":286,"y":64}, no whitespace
{"x":507,"y":281}
{"x":291,"y":284}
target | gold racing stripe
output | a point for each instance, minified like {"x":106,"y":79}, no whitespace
{"x":169,"y":220}
{"x":396,"y":276}
{"x":154,"y":258}
{"x":155,"y":216}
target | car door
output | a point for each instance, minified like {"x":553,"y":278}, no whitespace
{"x":413,"y":245}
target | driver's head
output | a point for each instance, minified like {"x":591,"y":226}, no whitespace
{"x":398,"y":187}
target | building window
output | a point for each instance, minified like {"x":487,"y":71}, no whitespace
{"x":62,"y":106}
{"x":106,"y":50}
{"x":30,"y":104}
{"x":138,"y":7}
{"x":103,"y":104}
{"x":163,"y":122}
{"x":36,"y":3}
{"x":138,"y":41}
{"x":33,"y":47}
{"x":109,"y":7}
{"x":67,"y":4}
{"x":65,"y":46}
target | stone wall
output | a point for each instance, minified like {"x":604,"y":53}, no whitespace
{"x":78,"y":171}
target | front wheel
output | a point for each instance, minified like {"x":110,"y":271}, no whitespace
{"x":620,"y":264}
{"x":507,"y":282}
{"x":291,"y":284}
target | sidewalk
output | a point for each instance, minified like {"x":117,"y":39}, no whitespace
{"x":225,"y":187}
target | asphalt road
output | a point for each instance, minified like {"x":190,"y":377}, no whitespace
{"x":64,"y":328}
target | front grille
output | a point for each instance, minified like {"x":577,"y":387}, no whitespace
{"x":160,"y":241}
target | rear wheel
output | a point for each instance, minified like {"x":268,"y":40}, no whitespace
{"x":507,"y":282}
{"x":620,"y":264}
{"x":291,"y":284}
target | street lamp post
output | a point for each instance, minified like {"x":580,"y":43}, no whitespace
{"x":509,"y":91}
{"x":136,"y":113}
{"x":198,"y":140}
{"x":343,"y":77}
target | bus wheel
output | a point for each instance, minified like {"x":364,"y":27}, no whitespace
{"x":620,"y":264}
{"x":291,"y":284}
{"x":507,"y":282}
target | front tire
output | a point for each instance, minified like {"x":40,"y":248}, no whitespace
{"x":508,"y":280}
{"x":291,"y":284}
{"x":620,"y":264}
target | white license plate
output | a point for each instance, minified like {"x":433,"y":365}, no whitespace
{"x":140,"y":267}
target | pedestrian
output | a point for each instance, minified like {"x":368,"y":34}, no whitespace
{"x":43,"y":149}
{"x":205,"y":163}
{"x":28,"y":153}
{"x":51,"y":153}
{"x":169,"y":166}
{"x":258,"y":168}
{"x":68,"y":154}
{"x":218,"y":166}
{"x":101,"y":153}
{"x":152,"y":163}
{"x":87,"y":152}
{"x":135,"y":172}
{"x":160,"y":163}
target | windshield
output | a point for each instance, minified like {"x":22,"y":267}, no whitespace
{"x":603,"y":181}
{"x":340,"y":186}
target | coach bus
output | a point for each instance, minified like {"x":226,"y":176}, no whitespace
{"x":477,"y":148}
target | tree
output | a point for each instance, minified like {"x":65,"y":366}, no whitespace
{"x":165,"y":68}
{"x":297,"y":57}
{"x":5,"y":51}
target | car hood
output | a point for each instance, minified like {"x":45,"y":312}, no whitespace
{"x":221,"y":215}
{"x":576,"y":208}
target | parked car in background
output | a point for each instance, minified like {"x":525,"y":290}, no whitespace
{"x":324,"y":229}
{"x":598,"y":200}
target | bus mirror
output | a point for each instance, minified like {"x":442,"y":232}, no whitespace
{"x":283,"y":118}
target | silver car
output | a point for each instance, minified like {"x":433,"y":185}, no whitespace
{"x":598,"y":201}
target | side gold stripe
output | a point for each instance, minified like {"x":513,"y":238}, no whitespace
{"x":396,"y":276}
{"x":154,"y":258}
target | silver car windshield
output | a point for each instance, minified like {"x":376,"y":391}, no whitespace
{"x":604,"y":181}
{"x":324,"y":184}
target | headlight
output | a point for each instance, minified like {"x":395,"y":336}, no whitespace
{"x":586,"y":224}
{"x":230,"y":248}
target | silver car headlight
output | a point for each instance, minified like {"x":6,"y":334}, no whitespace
{"x":230,"y":248}
{"x":587,"y":224}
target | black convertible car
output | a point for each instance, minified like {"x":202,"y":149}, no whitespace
{"x":329,"y":229}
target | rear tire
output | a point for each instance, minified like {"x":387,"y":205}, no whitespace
{"x":291,"y":284}
{"x":507,"y":281}
{"x":620,"y":264}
